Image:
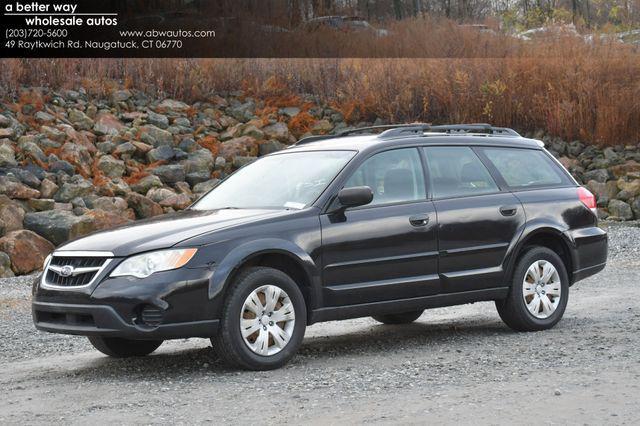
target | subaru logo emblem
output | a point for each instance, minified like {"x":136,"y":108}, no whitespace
{"x":66,"y":271}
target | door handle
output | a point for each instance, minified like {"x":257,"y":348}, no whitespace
{"x":419,"y":220}
{"x":508,"y":210}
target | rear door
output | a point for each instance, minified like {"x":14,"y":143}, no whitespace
{"x":388,"y":249}
{"x":477,"y":221}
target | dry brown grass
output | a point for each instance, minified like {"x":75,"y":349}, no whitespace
{"x":567,"y":87}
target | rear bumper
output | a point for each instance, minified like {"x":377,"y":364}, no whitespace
{"x":589,"y":251}
{"x":103,"y":320}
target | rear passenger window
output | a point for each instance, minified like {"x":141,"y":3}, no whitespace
{"x":521,"y":168}
{"x":394,"y":176}
{"x":456,"y":171}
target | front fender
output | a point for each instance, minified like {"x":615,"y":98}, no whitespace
{"x":239,"y":255}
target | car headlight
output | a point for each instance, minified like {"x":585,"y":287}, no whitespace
{"x":143,"y":265}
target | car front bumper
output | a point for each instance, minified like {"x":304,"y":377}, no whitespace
{"x":167,"y":305}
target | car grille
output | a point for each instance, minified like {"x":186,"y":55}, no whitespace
{"x":73,"y":271}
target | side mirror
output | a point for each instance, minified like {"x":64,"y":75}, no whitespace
{"x":355,"y":196}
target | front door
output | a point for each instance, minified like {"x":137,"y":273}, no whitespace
{"x":477,"y":222}
{"x":386,"y":250}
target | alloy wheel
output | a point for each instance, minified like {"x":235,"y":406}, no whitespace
{"x":267,"y":320}
{"x":541,"y":289}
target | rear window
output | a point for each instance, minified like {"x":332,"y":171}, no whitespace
{"x":523,"y":168}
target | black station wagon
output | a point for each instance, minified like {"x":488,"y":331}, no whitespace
{"x":382,"y":222}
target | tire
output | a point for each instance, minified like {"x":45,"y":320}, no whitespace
{"x":252,"y":351}
{"x":400,"y":318}
{"x":124,"y":348}
{"x":514,"y":310}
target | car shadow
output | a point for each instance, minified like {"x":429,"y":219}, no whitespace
{"x":369,"y":341}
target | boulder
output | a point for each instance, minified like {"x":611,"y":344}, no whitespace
{"x":26,"y":249}
{"x":58,"y":226}
{"x":80,"y":120}
{"x":241,"y":161}
{"x":115,"y":205}
{"x":15,"y":189}
{"x":599,"y":175}
{"x":107,"y":124}
{"x":203,"y":187}
{"x":146,"y":183}
{"x":53,"y":134}
{"x":632,"y":187}
{"x":101,"y":219}
{"x":30,"y":150}
{"x":5,"y":266}
{"x":623,"y":169}
{"x":290,"y":111}
{"x":143,"y":206}
{"x":322,"y":127}
{"x":604,"y":192}
{"x":155,"y":136}
{"x":635,"y":207}
{"x":158,"y":120}
{"x":7,"y":156}
{"x":620,"y":210}
{"x":177,"y":201}
{"x":41,"y":204}
{"x":171,"y":105}
{"x":126,"y":148}
{"x":159,"y":194}
{"x":253,"y":131}
{"x":77,"y":155}
{"x":269,"y":147}
{"x":161,"y":153}
{"x":76,"y":187}
{"x":169,"y":174}
{"x":111,"y":167}
{"x":278,"y":131}
{"x":11,"y":215}
{"x":244,"y":146}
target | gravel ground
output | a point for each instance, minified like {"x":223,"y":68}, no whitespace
{"x":454,"y":365}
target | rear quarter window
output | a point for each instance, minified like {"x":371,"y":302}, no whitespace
{"x":526,"y":168}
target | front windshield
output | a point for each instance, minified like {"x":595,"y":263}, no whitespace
{"x":288,"y":180}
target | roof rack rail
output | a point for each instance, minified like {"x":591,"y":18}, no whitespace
{"x":417,"y":129}
{"x":309,"y":139}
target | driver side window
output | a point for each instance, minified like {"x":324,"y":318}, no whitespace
{"x":394,"y":176}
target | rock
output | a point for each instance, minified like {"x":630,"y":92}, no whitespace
{"x":106,"y":147}
{"x":231,"y":133}
{"x":41,"y":204}
{"x":604,"y":192}
{"x":111,"y":167}
{"x":116,"y":205}
{"x":620,"y":209}
{"x":182,"y":122}
{"x":195,"y":178}
{"x":48,"y":188}
{"x":5,"y":266}
{"x":25,"y":176}
{"x":7,"y":156}
{"x":635,"y":207}
{"x":290,"y":111}
{"x":142,"y":148}
{"x":242,"y":146}
{"x":11,"y":215}
{"x":632,"y":188}
{"x":188,"y":145}
{"x":159,"y":194}
{"x":26,"y":249}
{"x":80,"y":120}
{"x":173,"y":105}
{"x":115,"y":186}
{"x":177,"y":201}
{"x":169,"y":174}
{"x":623,"y":169}
{"x":57,"y":226}
{"x":143,"y":206}
{"x":77,"y":155}
{"x":199,"y":161}
{"x":62,"y":166}
{"x":161,"y":153}
{"x":269,"y":147}
{"x":12,"y":188}
{"x":322,"y":127}
{"x":43,"y":117}
{"x":146,"y":183}
{"x":32,"y":151}
{"x":107,"y":124}
{"x":240,"y":161}
{"x":155,"y":136}
{"x":125,"y":149}
{"x":220,"y":163}
{"x":575,"y":148}
{"x":253,"y":132}
{"x":599,"y":175}
{"x":157,"y":120}
{"x":78,"y":187}
{"x":53,"y":134}
{"x":610,"y":154}
{"x":101,"y":219}
{"x":278,"y":131}
{"x":207,"y":186}
{"x":120,"y":95}
{"x":4,"y":121}
{"x":8,"y":132}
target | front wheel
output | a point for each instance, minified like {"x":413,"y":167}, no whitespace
{"x":263,"y":320}
{"x":124,"y":348}
{"x":539,"y":292}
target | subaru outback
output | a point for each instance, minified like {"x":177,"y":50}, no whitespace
{"x":383,"y":222}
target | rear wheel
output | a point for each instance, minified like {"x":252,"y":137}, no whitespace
{"x":401,"y":318}
{"x":263,"y":320}
{"x":539,"y":292}
{"x":124,"y":348}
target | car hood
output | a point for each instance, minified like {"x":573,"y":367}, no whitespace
{"x":165,"y":231}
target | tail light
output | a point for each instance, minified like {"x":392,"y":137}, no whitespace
{"x":588,"y":199}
